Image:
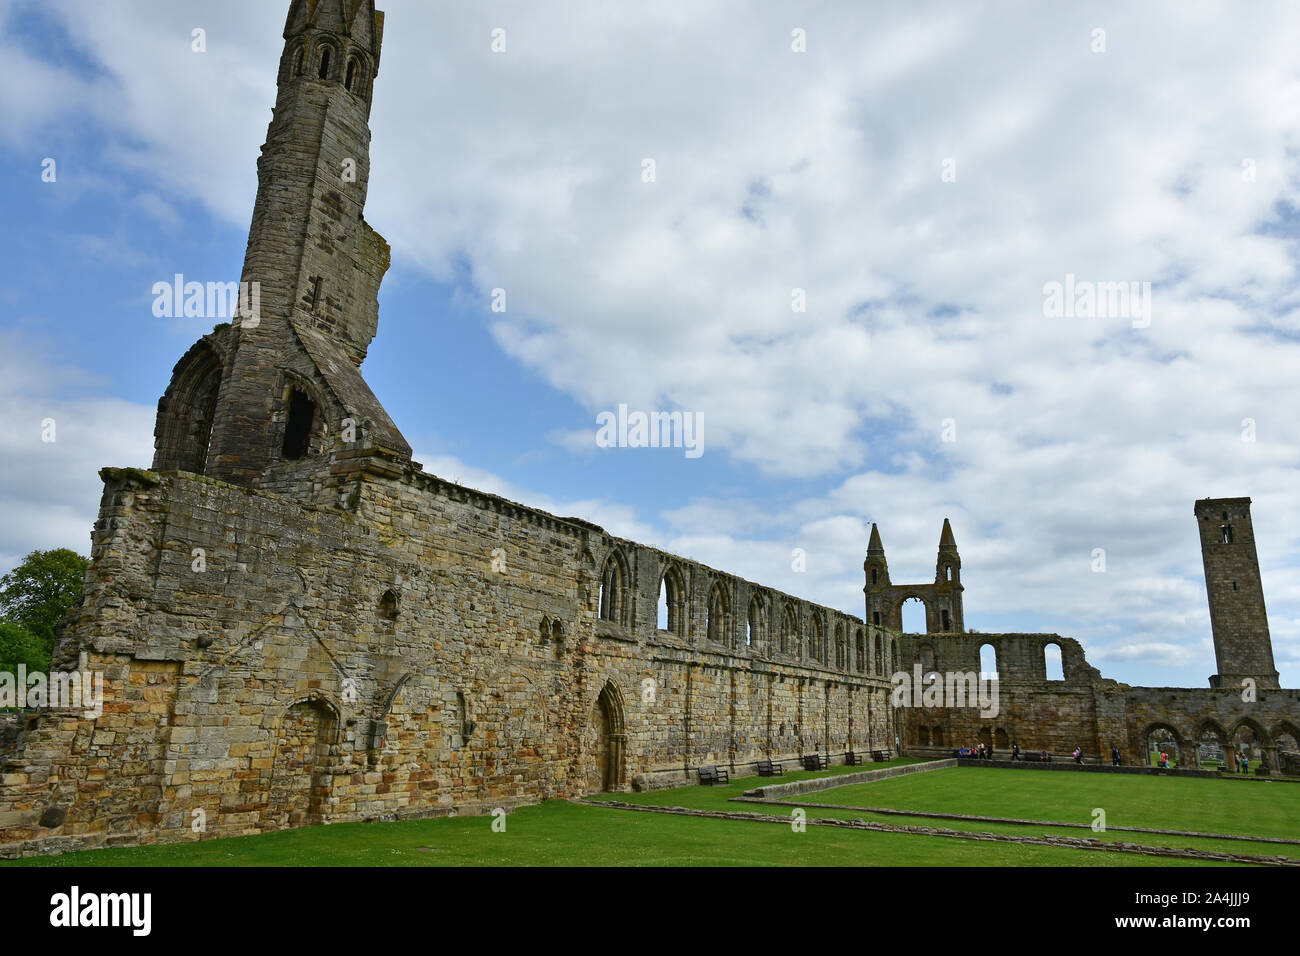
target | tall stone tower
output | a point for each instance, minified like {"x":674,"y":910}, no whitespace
{"x":1242,"y":646}
{"x":282,"y":383}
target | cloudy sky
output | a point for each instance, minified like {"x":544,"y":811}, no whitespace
{"x":922,"y":172}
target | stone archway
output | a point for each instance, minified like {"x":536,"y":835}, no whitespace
{"x":1210,"y":746}
{"x":1286,"y":743}
{"x":1162,"y":738}
{"x":1248,"y":739}
{"x":300,"y":780}
{"x":607,"y":740}
{"x":924,"y":612}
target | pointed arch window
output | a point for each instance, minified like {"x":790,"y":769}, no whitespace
{"x":614,"y":589}
{"x":672,"y":602}
{"x":719,"y":610}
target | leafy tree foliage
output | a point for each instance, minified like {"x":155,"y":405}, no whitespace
{"x":33,"y":599}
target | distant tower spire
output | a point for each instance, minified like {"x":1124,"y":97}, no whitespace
{"x":875,"y":570}
{"x":947,"y":582}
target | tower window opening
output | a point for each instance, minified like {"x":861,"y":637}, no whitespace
{"x":297,"y":430}
{"x":1234,"y":585}
{"x":874,"y":575}
{"x":316,"y":283}
{"x":352,"y":75}
{"x":1227,"y":533}
{"x":300,"y":58}
{"x":325,"y":64}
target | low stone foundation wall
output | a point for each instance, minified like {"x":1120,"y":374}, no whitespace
{"x":777,"y":791}
{"x":1107,"y":768}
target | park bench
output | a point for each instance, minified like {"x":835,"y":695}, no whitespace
{"x":880,"y":756}
{"x":711,"y":775}
{"x":814,"y":762}
{"x":767,"y":768}
{"x":852,"y":759}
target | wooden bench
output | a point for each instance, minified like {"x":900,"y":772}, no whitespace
{"x":711,"y":775}
{"x":814,"y":762}
{"x":767,"y":768}
{"x":852,"y":759}
{"x":880,"y":756}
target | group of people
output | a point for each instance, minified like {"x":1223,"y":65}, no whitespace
{"x":985,"y":752}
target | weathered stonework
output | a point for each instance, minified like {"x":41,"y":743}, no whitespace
{"x":297,"y":625}
{"x":1095,"y":714}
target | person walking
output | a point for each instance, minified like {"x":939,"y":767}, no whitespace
{"x":1114,"y":756}
{"x":1078,"y":755}
{"x":1015,"y":750}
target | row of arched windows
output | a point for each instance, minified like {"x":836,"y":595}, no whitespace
{"x":671,"y":616}
{"x":1053,"y":663}
{"x":321,"y":60}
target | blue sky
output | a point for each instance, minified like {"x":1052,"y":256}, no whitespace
{"x":1169,"y":157}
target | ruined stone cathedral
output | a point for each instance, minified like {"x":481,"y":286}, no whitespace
{"x":296,"y":624}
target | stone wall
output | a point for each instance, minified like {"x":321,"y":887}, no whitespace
{"x":374,"y":647}
{"x":1084,"y":709}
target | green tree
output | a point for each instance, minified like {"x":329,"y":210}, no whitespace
{"x":20,"y":646}
{"x":35,"y":595}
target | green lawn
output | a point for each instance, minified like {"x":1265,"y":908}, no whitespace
{"x":561,"y":833}
{"x":1213,"y":806}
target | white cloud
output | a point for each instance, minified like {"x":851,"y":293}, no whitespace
{"x":50,"y":490}
{"x":821,"y":171}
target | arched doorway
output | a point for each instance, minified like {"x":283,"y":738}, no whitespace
{"x":1249,"y":742}
{"x":607,"y":739}
{"x":300,"y":778}
{"x":1286,"y":741}
{"x":1211,"y":746}
{"x":1163,"y":739}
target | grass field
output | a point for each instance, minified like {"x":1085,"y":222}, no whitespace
{"x":1245,"y":808}
{"x":561,"y":833}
